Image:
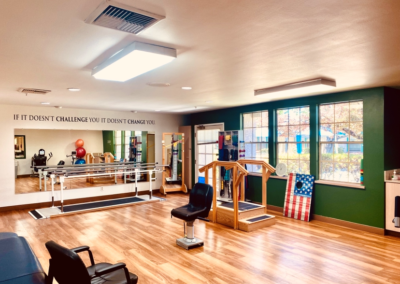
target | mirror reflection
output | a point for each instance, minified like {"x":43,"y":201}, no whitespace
{"x":55,"y":150}
{"x":19,"y":147}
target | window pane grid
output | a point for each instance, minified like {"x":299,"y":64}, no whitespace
{"x":256,"y":135}
{"x":293,"y":139}
{"x":341,"y":141}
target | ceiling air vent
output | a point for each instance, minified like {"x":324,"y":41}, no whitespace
{"x":33,"y":91}
{"x":121,"y":17}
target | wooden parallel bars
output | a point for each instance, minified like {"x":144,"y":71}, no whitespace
{"x":239,"y":173}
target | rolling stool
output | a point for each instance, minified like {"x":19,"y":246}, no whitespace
{"x":200,"y":200}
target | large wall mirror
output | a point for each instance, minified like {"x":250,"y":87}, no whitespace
{"x":54,"y":148}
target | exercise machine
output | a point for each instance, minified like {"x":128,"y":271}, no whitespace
{"x":73,"y":157}
{"x":39,"y":160}
{"x":172,"y":154}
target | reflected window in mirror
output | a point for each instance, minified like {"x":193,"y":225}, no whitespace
{"x":19,"y":147}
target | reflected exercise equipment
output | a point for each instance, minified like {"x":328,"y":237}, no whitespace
{"x":172,"y":151}
{"x":39,"y":160}
{"x":64,"y":173}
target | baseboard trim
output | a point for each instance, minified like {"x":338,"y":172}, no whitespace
{"x":392,"y":233}
{"x":73,"y":201}
{"x":23,"y":176}
{"x":338,"y":222}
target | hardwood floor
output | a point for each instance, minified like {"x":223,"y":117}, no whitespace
{"x":144,"y":237}
{"x":31,"y":184}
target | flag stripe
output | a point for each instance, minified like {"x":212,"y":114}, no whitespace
{"x":293,"y":201}
{"x":288,"y":193}
{"x":303,"y":213}
{"x":307,"y":217}
{"x":299,"y":213}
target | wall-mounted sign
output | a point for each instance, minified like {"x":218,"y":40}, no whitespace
{"x":84,"y":119}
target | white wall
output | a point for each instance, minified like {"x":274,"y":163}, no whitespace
{"x":59,"y":142}
{"x":163,"y":123}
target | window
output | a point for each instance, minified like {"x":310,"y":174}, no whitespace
{"x":128,"y":135}
{"x":293,"y":139}
{"x":256,"y":133}
{"x":117,"y":144}
{"x":207,"y":151}
{"x":341,"y":141}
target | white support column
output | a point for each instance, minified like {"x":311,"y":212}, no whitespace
{"x":45,"y":180}
{"x":40,"y":179}
{"x":151,"y":180}
{"x":52,"y":176}
{"x":62,"y":193}
{"x":136,"y":175}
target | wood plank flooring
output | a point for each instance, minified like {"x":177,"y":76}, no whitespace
{"x":31,"y":184}
{"x":144,"y":237}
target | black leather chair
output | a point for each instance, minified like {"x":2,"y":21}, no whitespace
{"x":200,"y":200}
{"x":67,"y":267}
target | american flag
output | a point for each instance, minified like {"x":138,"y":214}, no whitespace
{"x":298,"y":197}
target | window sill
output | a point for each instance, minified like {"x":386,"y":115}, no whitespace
{"x":260,"y":175}
{"x":338,"y":183}
{"x":327,"y":182}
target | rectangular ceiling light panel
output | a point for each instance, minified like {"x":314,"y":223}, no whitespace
{"x":132,"y":61}
{"x":299,"y":88}
{"x":122,"y":17}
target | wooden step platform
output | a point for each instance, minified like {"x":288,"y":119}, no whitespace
{"x":256,"y":222}
{"x":251,"y":216}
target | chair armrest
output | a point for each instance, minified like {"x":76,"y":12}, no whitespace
{"x":203,"y":219}
{"x":80,"y":249}
{"x":84,"y":248}
{"x":113,"y":268}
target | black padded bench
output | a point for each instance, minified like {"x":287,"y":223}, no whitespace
{"x":18,"y":263}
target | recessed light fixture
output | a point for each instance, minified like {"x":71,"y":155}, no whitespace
{"x":157,"y":110}
{"x":45,"y":103}
{"x":158,"y":84}
{"x":186,"y":88}
{"x":58,"y":106}
{"x":302,"y":87}
{"x":132,"y":61}
{"x":74,"y":89}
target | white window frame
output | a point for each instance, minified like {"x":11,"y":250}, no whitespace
{"x":288,"y":142}
{"x":219,"y":126}
{"x":336,"y":142}
{"x":117,"y":142}
{"x":266,"y":159}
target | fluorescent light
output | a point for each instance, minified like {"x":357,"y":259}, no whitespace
{"x":132,"y":61}
{"x":299,"y":88}
{"x":74,"y":89}
{"x":45,"y":103}
{"x":189,"y":109}
{"x":186,"y":88}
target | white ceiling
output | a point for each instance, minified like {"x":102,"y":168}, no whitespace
{"x":226,"y":49}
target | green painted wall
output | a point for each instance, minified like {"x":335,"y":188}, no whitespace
{"x":144,"y":146}
{"x":354,"y":205}
{"x":108,"y":141}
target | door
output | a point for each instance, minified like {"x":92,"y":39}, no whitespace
{"x":206,"y":145}
{"x":187,"y":154}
